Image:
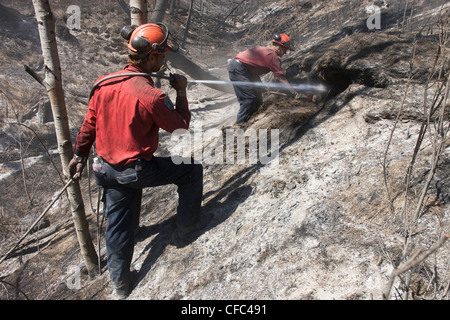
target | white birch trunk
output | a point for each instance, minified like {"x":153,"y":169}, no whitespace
{"x":138,"y":12}
{"x":53,"y":85}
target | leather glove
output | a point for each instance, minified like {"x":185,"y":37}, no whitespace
{"x":178,"y":82}
{"x":75,"y":169}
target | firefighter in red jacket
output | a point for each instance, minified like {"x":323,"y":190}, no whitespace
{"x":249,"y":65}
{"x":124,"y":116}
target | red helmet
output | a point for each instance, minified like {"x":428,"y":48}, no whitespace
{"x":283,"y":40}
{"x":147,"y":39}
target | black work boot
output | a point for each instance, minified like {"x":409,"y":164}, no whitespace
{"x":182,"y":236}
{"x":123,"y":289}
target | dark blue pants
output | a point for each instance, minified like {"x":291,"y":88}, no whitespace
{"x":121,"y":188}
{"x":249,"y":97}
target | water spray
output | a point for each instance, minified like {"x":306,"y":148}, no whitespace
{"x":268,"y":85}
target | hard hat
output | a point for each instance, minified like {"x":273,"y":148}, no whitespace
{"x":283,"y":40}
{"x":146,"y":39}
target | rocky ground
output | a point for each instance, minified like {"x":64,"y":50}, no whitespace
{"x":316,"y":222}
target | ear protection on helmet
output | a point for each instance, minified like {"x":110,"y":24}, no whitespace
{"x":277,"y":37}
{"x":127,"y":31}
{"x":141,"y":45}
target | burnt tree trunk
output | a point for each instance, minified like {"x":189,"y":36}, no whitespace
{"x":53,"y":85}
{"x":174,"y":5}
{"x":188,"y":23}
{"x":159,"y":11}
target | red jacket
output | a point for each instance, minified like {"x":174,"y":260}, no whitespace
{"x":261,"y":60}
{"x":124,"y":117}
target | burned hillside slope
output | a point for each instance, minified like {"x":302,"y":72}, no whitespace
{"x":319,"y":225}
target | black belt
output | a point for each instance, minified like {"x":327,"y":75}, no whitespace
{"x":137,"y":165}
{"x":242,"y":65}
